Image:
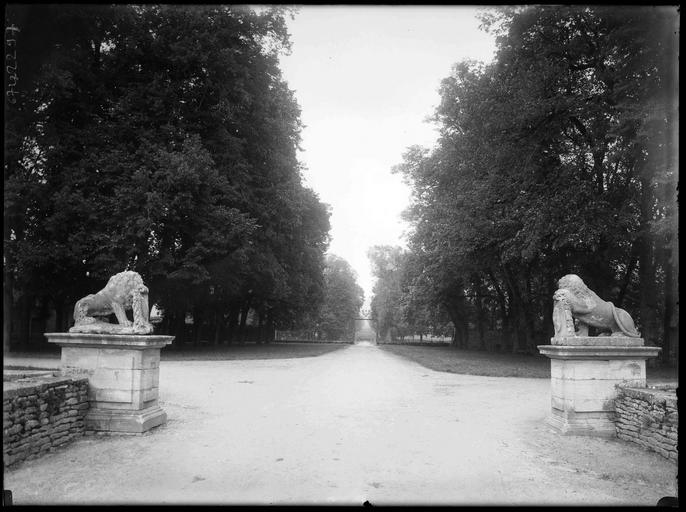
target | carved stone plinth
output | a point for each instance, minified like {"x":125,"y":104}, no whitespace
{"x":123,"y":378}
{"x":583,"y":373}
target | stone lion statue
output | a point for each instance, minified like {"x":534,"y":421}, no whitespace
{"x":575,"y":301}
{"x":123,"y":292}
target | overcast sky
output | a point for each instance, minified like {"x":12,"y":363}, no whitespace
{"x":366,"y":79}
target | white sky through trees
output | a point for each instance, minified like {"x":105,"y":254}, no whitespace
{"x":366,"y":79}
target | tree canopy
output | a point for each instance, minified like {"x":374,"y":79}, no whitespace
{"x":555,"y":158}
{"x":160,"y":139}
{"x":343,"y":299}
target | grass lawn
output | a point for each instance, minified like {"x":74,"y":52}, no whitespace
{"x":475,"y":362}
{"x":273,"y":350}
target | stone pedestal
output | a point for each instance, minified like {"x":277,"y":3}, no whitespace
{"x":123,"y":378}
{"x":583,"y":373}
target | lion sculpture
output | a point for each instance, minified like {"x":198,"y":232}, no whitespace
{"x":575,"y":301}
{"x":124,"y":291}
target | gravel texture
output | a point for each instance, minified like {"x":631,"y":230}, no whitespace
{"x":353,"y":425}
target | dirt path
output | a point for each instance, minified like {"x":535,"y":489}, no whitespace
{"x":352,"y":425}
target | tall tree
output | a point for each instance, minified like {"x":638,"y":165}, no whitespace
{"x":162,"y":139}
{"x":343,"y":299}
{"x":542,"y":165}
{"x":386,"y":308}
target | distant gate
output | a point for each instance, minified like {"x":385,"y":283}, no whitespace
{"x":364,"y":330}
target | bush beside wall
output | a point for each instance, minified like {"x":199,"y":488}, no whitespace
{"x":40,"y":415}
{"x":650,"y":418}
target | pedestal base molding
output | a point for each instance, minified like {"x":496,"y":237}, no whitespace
{"x":123,"y":378}
{"x":584,"y":372}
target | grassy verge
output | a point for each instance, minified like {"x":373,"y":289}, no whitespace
{"x":274,"y":350}
{"x":247,"y":351}
{"x":474,"y":362}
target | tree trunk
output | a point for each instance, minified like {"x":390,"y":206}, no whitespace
{"x":548,"y":309}
{"x":244,"y":319}
{"x":519,"y":341}
{"x":59,"y":315}
{"x":24,"y":330}
{"x":232,"y":324}
{"x":633,"y":259}
{"x":460,"y":336}
{"x":670,"y":156}
{"x":7,"y":304}
{"x":195,"y":331}
{"x":646,"y":269}
{"x":218,"y":321}
{"x":505,"y":334}
{"x":42,"y":318}
{"x":179,"y":327}
{"x":480,"y":313}
{"x":260,"y":325}
{"x":271,"y":333}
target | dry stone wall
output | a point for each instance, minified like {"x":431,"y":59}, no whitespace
{"x":650,"y":418}
{"x":39,"y":415}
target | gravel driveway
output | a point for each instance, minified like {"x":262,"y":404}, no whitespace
{"x":354,"y":425}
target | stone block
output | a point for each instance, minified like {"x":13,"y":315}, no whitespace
{"x":584,"y":385}
{"x":598,"y":353}
{"x":115,"y":358}
{"x":150,"y":359}
{"x":123,"y":376}
{"x":150,"y":394}
{"x":79,"y":358}
{"x":577,"y":370}
{"x":558,"y":387}
{"x":125,"y":421}
{"x":598,"y":341}
{"x":90,"y":358}
{"x":15,"y":429}
{"x":591,"y":389}
{"x":101,"y":395}
{"x":31,"y":424}
{"x":591,"y":424}
{"x":558,"y":403}
{"x":149,"y":379}
{"x":592,"y":405}
{"x":115,"y":379}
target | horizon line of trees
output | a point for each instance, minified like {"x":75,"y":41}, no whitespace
{"x":558,"y":157}
{"x":160,"y":139}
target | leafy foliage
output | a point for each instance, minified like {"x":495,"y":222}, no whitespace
{"x":342,"y":301}
{"x":549,"y":162}
{"x":161,"y":139}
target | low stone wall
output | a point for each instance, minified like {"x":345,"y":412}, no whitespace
{"x":649,"y":417}
{"x":40,"y":414}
